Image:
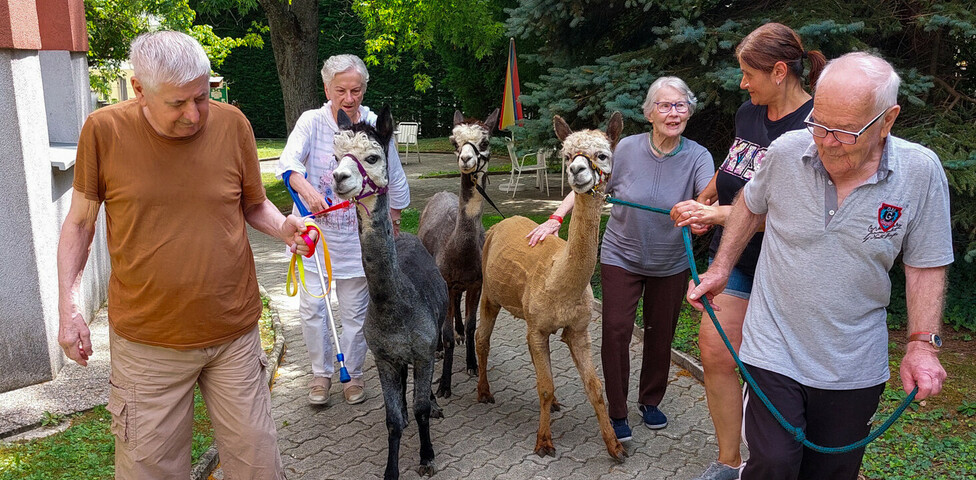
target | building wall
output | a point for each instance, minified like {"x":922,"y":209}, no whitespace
{"x":44,"y":95}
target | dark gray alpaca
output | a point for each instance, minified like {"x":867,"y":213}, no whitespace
{"x":451,"y":229}
{"x":408,"y":297}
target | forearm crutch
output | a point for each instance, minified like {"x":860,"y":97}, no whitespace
{"x":326,"y":287}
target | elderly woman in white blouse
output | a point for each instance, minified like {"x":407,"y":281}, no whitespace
{"x":309,"y":156}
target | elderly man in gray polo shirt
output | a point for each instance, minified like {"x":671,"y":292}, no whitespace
{"x":840,"y":200}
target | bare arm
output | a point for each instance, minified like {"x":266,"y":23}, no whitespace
{"x":266,"y":218}
{"x":709,"y":196}
{"x":925,"y":294}
{"x":550,"y":227}
{"x":740,"y":226}
{"x":73,"y":247}
{"x":313,"y":200}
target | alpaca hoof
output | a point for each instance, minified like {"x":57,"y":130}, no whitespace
{"x":617,"y":451}
{"x":443,"y":391}
{"x":439,"y":354}
{"x":486,"y":398}
{"x":427,"y":470}
{"x":473,"y":371}
{"x":436,"y":412}
{"x":555,"y":406}
{"x":545,"y":450}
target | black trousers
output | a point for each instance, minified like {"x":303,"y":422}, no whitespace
{"x":830,"y":418}
{"x":662,"y":302}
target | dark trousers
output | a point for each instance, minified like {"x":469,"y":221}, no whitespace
{"x":830,"y":418}
{"x":662,"y":302}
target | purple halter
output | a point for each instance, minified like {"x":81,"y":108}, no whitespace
{"x":367,"y":182}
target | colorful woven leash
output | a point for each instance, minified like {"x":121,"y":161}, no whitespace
{"x":296,"y":275}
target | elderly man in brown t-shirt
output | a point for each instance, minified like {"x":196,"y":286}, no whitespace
{"x":179,"y":177}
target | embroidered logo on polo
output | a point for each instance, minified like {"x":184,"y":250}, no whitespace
{"x":888,"y":215}
{"x":744,"y":159}
{"x":888,"y":226}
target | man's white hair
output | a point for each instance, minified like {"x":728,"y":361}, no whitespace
{"x":337,"y":64}
{"x":880,"y":73}
{"x":675,"y":83}
{"x":167,"y":57}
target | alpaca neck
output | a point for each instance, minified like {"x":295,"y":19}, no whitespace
{"x":470,"y":205}
{"x":376,"y":240}
{"x":573,"y":266}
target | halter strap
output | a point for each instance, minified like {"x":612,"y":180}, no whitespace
{"x":367,"y":182}
{"x":601,"y":177}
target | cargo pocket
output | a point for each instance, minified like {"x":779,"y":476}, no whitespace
{"x":121,"y":410}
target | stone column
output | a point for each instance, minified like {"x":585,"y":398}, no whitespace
{"x":45,"y":97}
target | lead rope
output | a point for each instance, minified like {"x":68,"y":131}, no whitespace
{"x":798,"y":434}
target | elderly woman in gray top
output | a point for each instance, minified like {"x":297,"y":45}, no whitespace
{"x":642,"y":253}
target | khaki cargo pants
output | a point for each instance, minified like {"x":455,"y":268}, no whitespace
{"x":151,"y":401}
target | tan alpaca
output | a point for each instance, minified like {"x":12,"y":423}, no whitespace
{"x":549,"y":285}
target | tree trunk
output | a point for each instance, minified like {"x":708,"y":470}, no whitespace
{"x":294,"y":39}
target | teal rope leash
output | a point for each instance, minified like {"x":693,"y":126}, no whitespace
{"x":797,"y":432}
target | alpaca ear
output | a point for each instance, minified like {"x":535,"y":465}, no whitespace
{"x":458,"y":117}
{"x":492,"y":121}
{"x":343,"y":120}
{"x":561,"y":127}
{"x":614,"y":128}
{"x":384,"y":125}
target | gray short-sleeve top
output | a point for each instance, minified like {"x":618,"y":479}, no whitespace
{"x":817,"y":312}
{"x":640,"y":241}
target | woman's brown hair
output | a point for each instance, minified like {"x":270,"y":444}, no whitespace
{"x":775,"y":42}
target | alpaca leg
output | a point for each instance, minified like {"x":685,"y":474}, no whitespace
{"x":539,"y":348}
{"x":458,"y":323}
{"x":447,"y":336}
{"x":578,"y":342}
{"x":482,"y":339}
{"x":470,"y":324}
{"x":423,"y":373}
{"x":392,"y":383}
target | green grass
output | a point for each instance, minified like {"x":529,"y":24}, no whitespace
{"x":86,"y":449}
{"x":506,"y":168}
{"x":275,"y":189}
{"x":270,"y":147}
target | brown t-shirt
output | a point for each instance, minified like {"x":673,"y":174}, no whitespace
{"x":182,"y":269}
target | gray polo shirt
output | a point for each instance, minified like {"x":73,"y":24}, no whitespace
{"x":817,"y":311}
{"x":643,"y":242}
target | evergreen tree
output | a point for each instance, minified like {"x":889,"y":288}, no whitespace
{"x":601,"y":56}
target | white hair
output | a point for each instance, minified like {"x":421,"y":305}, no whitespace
{"x":675,"y":83}
{"x":337,"y":64}
{"x":877,"y":70}
{"x":167,"y":57}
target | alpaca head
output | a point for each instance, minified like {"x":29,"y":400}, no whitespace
{"x":588,"y":153}
{"x":361,"y":150}
{"x":470,"y":138}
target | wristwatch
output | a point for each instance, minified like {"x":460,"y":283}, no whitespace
{"x":928,"y":337}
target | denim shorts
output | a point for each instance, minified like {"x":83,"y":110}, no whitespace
{"x":739,"y":284}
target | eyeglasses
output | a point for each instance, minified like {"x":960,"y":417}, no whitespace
{"x":665,"y":107}
{"x":842,"y":136}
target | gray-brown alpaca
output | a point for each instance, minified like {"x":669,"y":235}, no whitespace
{"x":408,"y":297}
{"x":549,"y":285}
{"x":451,"y":229}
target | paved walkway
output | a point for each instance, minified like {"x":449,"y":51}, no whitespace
{"x":479,"y":441}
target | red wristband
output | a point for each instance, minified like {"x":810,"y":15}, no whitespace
{"x":557,"y":218}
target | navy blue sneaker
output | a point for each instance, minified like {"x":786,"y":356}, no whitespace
{"x":653,"y":418}
{"x":621,"y":429}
